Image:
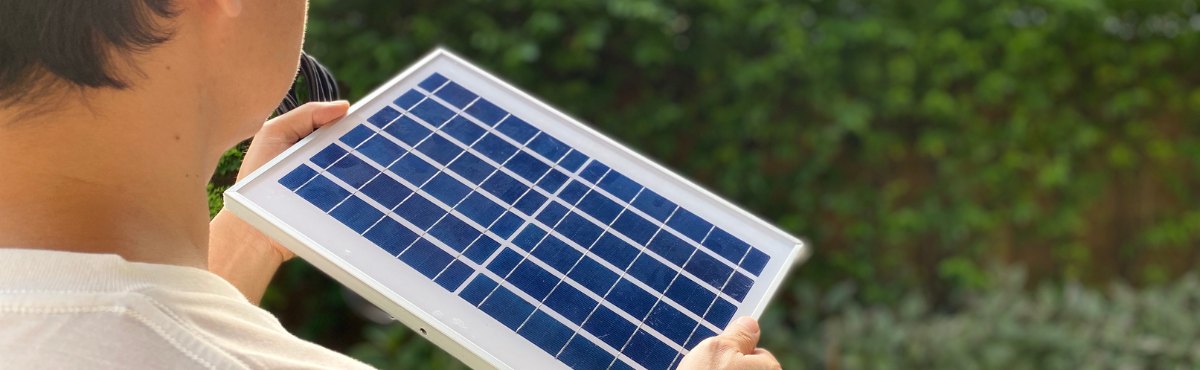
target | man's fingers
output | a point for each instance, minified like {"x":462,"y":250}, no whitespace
{"x":330,"y":112}
{"x":763,"y":359}
{"x":744,"y":331}
{"x":295,"y":125}
{"x":282,"y":132}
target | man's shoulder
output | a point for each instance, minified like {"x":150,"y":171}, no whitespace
{"x":64,"y":329}
{"x":100,"y":312}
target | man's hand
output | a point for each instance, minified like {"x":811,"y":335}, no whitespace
{"x":733,"y":349}
{"x":238,"y":252}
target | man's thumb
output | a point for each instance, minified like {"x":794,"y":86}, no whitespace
{"x":745,"y":332}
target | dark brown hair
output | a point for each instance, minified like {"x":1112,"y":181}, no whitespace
{"x":45,"y":43}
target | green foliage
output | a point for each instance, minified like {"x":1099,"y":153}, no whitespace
{"x":907,"y":140}
{"x":1007,"y":327}
{"x":910,"y":142}
{"x":397,"y":347}
{"x":227,"y":170}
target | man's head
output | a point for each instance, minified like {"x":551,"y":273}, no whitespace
{"x":235,"y":58}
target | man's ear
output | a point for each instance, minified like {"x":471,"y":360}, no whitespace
{"x":231,"y":8}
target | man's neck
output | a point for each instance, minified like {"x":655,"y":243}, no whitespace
{"x":120,"y":172}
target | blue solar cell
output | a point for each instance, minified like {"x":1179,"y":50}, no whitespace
{"x":385,"y":190}
{"x":690,"y":295}
{"x":433,"y":82}
{"x":609,"y":327}
{"x":413,"y":168}
{"x":530,"y":202}
{"x":322,"y":193}
{"x":620,"y":186}
{"x":507,"y":225}
{"x":573,"y":161}
{"x":738,"y":286}
{"x":300,"y":175}
{"x":755,"y":261}
{"x":615,"y":251}
{"x":620,"y":365}
{"x":652,"y":273}
{"x":654,"y":205}
{"x":720,"y":313}
{"x":381,"y":150}
{"x":486,"y":112}
{"x":552,"y":181}
{"x":557,"y":254}
{"x":391,"y":236}
{"x":440,"y":149}
{"x":726,"y":245}
{"x":551,"y":214}
{"x":455,"y":95}
{"x":599,"y":207}
{"x":689,"y":224}
{"x":507,"y":308}
{"x":478,"y":289}
{"x":409,"y":99}
{"x":701,"y":334}
{"x":420,"y":211}
{"x":516,"y":129}
{"x":353,"y":171}
{"x":593,"y":276}
{"x":454,"y":275}
{"x":482,"y":249}
{"x":671,"y":247}
{"x":383,"y":117}
{"x":504,"y":262}
{"x":648,"y":351}
{"x":357,"y":135}
{"x":446,"y":189}
{"x":408,"y":131}
{"x":327,"y":156}
{"x":545,"y":332}
{"x":708,"y":269}
{"x":426,"y":258}
{"x":529,"y":237}
{"x":532,"y":279}
{"x":570,"y":303}
{"x":480,"y":209}
{"x":464,"y":130}
{"x":504,"y":187}
{"x":635,"y":227}
{"x":455,"y":233}
{"x":671,"y":323}
{"x":472,"y":168}
{"x":527,"y":166}
{"x":494,"y":147}
{"x":582,"y":354}
{"x":579,"y":229}
{"x":630,"y":298}
{"x":594,"y":171}
{"x":356,"y":214}
{"x":573,"y":192}
{"x":549,"y":147}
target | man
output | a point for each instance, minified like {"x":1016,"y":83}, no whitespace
{"x":113,"y":114}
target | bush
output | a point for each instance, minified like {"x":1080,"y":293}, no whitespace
{"x":911,"y":142}
{"x":1007,"y":327}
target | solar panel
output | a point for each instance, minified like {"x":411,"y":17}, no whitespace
{"x":510,"y":234}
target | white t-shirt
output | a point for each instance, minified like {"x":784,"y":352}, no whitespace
{"x":61,"y":310}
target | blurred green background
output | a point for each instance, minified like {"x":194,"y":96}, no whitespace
{"x":985,"y":184}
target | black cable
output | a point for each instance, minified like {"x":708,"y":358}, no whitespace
{"x":319,"y":81}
